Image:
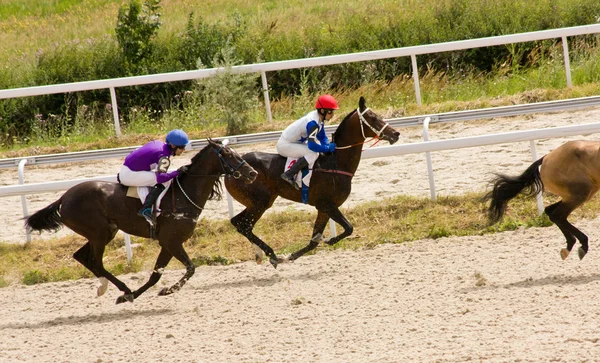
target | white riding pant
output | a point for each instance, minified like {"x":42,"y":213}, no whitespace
{"x":137,"y":178}
{"x":296,"y":150}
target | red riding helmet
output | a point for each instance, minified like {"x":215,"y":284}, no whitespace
{"x":327,"y":101}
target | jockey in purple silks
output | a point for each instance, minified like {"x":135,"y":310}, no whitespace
{"x":306,"y":138}
{"x":148,"y":165}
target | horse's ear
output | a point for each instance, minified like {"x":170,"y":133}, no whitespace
{"x":362,"y":104}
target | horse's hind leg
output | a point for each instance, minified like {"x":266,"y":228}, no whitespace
{"x":558,"y":213}
{"x":91,"y":258}
{"x":244,"y":223}
{"x":316,"y":238}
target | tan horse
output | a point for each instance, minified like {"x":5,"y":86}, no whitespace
{"x":572,"y":171}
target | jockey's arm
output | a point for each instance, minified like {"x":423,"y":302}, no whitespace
{"x":164,"y":177}
{"x":312,"y":129}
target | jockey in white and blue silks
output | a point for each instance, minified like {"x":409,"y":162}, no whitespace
{"x":306,"y":138}
{"x":148,"y":165}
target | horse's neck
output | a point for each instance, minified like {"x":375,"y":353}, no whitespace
{"x":199,"y":188}
{"x":349,"y":158}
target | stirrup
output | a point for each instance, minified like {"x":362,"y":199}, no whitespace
{"x":147,"y":214}
{"x":290,"y":180}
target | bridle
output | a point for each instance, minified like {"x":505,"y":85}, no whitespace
{"x":363,"y":122}
{"x":226,"y":167}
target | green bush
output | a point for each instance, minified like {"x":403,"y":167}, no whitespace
{"x":136,"y":50}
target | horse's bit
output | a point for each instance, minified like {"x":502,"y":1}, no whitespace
{"x":363,"y":121}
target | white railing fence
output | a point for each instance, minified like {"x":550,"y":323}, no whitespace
{"x":262,"y":68}
{"x":379,"y":152}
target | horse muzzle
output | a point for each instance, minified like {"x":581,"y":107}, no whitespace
{"x":249,"y":178}
{"x":392,"y":137}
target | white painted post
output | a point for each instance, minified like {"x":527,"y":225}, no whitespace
{"x":413,"y":59}
{"x":227,"y":195}
{"x":128,"y":250}
{"x":265,"y":87}
{"x":538,"y":197}
{"x":428,"y":157}
{"x":229,"y":203}
{"x":565,"y":45}
{"x":115,"y":110}
{"x":23,"y":198}
{"x":332,"y":230}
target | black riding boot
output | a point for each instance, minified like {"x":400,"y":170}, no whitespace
{"x":146,"y":210}
{"x":289,"y":175}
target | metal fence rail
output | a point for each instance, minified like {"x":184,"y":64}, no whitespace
{"x":503,"y":111}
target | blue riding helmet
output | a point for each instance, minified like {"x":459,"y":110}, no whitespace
{"x":178,"y":138}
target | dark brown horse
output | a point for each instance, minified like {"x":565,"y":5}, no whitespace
{"x":571,"y":171}
{"x":329,"y":186}
{"x":97,"y":210}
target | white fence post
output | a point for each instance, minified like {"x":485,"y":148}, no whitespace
{"x":115,"y":110}
{"x":538,"y":197}
{"x":23,"y":198}
{"x":128,"y":250}
{"x":265,"y":87}
{"x":565,"y":45}
{"x":428,"y":157}
{"x":413,"y":59}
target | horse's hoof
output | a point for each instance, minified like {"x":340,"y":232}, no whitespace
{"x":259,"y":254}
{"x":564,"y":253}
{"x":581,"y":252}
{"x":125,"y":298}
{"x":274,"y":261}
{"x":165,"y":291}
{"x":103,"y":286}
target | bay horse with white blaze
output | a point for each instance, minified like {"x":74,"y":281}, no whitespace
{"x":330,"y":183}
{"x":97,"y":210}
{"x":571,"y":171}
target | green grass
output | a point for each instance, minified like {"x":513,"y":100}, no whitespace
{"x":396,"y":220}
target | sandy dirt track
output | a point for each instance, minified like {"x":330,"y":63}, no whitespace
{"x":501,"y":298}
{"x":506,"y":297}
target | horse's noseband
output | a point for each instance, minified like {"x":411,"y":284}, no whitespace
{"x":363,"y":121}
{"x":226,"y":165}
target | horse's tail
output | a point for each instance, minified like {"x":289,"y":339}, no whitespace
{"x":507,"y":187}
{"x":47,"y":219}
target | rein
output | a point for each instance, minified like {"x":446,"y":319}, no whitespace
{"x":334,"y":171}
{"x":363,"y":122}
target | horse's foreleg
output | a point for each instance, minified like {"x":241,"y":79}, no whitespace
{"x":179,"y":253}
{"x":339,"y":218}
{"x":316,"y":238}
{"x":244,"y":223}
{"x":162,"y":261}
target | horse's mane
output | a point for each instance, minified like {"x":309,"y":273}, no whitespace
{"x":342,"y":126}
{"x":217,"y":188}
